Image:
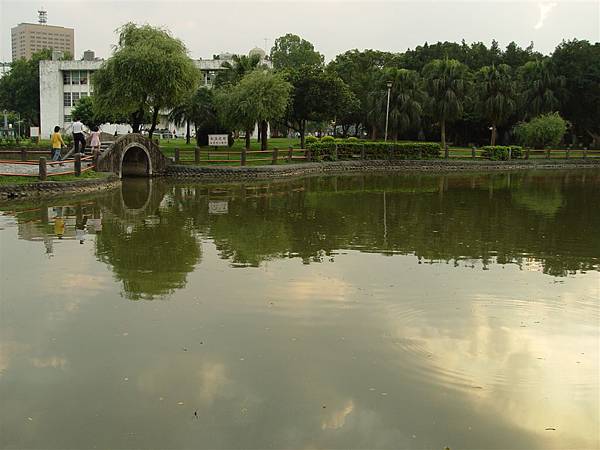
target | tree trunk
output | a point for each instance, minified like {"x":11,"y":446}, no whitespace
{"x":248,"y":134}
{"x":154,"y":121}
{"x":263,"y":135}
{"x":443,"y":129}
{"x":302,"y":133}
{"x":187,"y":132}
{"x":493,"y":140}
{"x":374,"y":133}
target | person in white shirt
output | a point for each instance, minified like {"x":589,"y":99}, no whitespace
{"x":78,"y":136}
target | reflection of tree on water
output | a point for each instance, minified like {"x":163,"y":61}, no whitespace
{"x":150,"y":227}
{"x":436,"y":218}
{"x":151,"y":248}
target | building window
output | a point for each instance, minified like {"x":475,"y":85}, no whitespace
{"x":67,"y":99}
{"x":74,"y":98}
{"x":67,"y":119}
{"x":83,"y":77}
{"x":83,"y":94}
{"x":66,"y":77}
{"x":75,"y":77}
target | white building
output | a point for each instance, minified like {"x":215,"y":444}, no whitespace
{"x":63,"y":83}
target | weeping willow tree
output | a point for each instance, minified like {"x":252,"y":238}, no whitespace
{"x":149,"y":71}
{"x":496,"y":91}
{"x":447,"y":81}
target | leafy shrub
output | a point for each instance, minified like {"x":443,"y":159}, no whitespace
{"x":542,"y":131}
{"x":327,"y":139}
{"x":373,"y":150}
{"x":68,"y":139}
{"x":353,"y":139}
{"x":500,"y":152}
{"x":310,"y":139}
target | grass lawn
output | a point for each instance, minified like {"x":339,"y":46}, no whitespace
{"x":90,"y":174}
{"x":168,"y":147}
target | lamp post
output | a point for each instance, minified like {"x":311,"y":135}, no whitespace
{"x":387,"y":112}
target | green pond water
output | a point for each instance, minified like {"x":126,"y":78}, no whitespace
{"x":375,"y":311}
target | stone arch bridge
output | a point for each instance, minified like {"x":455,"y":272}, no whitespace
{"x":133,"y":155}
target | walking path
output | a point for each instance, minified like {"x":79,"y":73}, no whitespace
{"x":31,"y":168}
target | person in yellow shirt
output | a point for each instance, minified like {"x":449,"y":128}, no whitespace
{"x":57,"y":144}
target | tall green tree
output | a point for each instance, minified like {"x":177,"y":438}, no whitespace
{"x":259,"y":98}
{"x":496,"y":94}
{"x":20,"y":88}
{"x":579,"y":63}
{"x":149,"y":71}
{"x":540,"y":87}
{"x":316,"y":96}
{"x":361,"y":71}
{"x":407,"y":100}
{"x":447,"y":83}
{"x":292,"y":52}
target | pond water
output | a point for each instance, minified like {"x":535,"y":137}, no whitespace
{"x":376,"y":311}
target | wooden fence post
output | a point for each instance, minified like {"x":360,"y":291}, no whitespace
{"x":77,"y":164}
{"x":197,"y":155}
{"x":43,"y":172}
{"x":335,"y":152}
{"x":243,"y":157}
{"x":473,"y":152}
{"x":177,"y":156}
{"x":509,"y":153}
{"x":568,"y":154}
{"x":585,"y":152}
{"x":446,"y":152}
{"x":362,"y":152}
{"x":548,"y":154}
{"x":290,"y":153}
{"x":308,"y":154}
{"x":527,"y":153}
{"x":275,"y":152}
{"x":23,"y":154}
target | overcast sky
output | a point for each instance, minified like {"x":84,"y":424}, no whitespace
{"x":332,"y":26}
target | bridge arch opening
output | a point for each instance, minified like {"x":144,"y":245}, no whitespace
{"x":136,"y":162}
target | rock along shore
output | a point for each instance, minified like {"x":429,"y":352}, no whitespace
{"x":237,"y":173}
{"x":52,"y":188}
{"x":248,"y":173}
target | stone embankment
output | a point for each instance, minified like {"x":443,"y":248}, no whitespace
{"x":51,"y":188}
{"x":339,"y":167}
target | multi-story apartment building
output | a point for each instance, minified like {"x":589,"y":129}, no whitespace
{"x":64,"y":83}
{"x":28,"y":38}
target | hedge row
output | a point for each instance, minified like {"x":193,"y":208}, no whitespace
{"x":334,"y":150}
{"x":501,"y":153}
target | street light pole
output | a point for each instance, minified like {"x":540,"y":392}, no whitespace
{"x":387,"y":112}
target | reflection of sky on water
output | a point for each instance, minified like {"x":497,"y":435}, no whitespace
{"x":360,"y":351}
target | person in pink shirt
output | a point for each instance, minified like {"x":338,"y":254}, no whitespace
{"x":95,"y":141}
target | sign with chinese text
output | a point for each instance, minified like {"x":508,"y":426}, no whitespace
{"x":218,"y":140}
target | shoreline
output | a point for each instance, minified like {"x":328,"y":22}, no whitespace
{"x":245,"y":173}
{"x":55,"y":188}
{"x":256,"y":173}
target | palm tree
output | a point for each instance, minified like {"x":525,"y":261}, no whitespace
{"x":540,"y":87}
{"x":235,"y":70}
{"x":182,"y":114}
{"x":406,"y":100}
{"x":496,"y":92}
{"x":373,"y":102}
{"x":447,"y":82}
